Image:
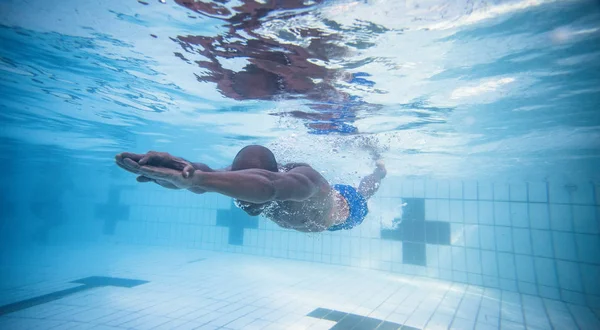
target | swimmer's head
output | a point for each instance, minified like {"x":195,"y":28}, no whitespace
{"x":254,"y":157}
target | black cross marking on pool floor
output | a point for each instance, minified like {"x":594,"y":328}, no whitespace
{"x":112,"y":211}
{"x":354,"y":321}
{"x":88,"y":283}
{"x":237,"y":220}
{"x":414,"y":232}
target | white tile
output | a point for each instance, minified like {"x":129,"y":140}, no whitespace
{"x":487,"y":237}
{"x":389,"y":188}
{"x":443,"y":189}
{"x":489,"y":263}
{"x":241,"y":323}
{"x":585,"y":219}
{"x":545,"y":271}
{"x":418,"y":319}
{"x":536,"y":319}
{"x":525,"y":268}
{"x":560,"y":318}
{"x":485,"y":191}
{"x":443,"y":210}
{"x":541,"y":240}
{"x":584,"y":317}
{"x":470,"y":190}
{"x":509,"y":325}
{"x":538,"y":216}
{"x":473,"y":259}
{"x":502,"y":214}
{"x":439,"y":321}
{"x":445,"y":257}
{"x":590,"y":275}
{"x":519,"y":216}
{"x":450,"y":304}
{"x":475,"y":279}
{"x":419,"y":188}
{"x":501,"y":192}
{"x":558,"y":193}
{"x":537,"y":192}
{"x":485,"y":326}
{"x":456,"y":190}
{"x":407,"y":189}
{"x":459,"y":276}
{"x":568,"y":275}
{"x":564,"y":245}
{"x":587,"y":247}
{"x":486,"y":212}
{"x":397,"y":318}
{"x":457,"y":234}
{"x":456,"y":211}
{"x":432,"y":255}
{"x":489,"y":312}
{"x":462,"y":324}
{"x":468,"y":308}
{"x":322,"y":325}
{"x":522,"y":241}
{"x":504,"y":240}
{"x":584,"y":194}
{"x":459,"y":262}
{"x":506,"y":265}
{"x":518,"y":192}
{"x":93,"y":314}
{"x":431,"y":189}
{"x":97,"y":327}
{"x":471,"y":233}
{"x":470,"y":212}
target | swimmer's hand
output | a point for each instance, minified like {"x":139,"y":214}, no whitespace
{"x":176,"y":178}
{"x":161,"y":166}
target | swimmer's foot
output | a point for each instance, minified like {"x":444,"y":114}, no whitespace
{"x":381,"y":170}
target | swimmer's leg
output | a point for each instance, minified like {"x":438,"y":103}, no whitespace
{"x":370,"y":184}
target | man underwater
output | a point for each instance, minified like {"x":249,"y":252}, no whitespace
{"x":294,"y":195}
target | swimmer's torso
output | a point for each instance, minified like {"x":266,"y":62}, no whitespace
{"x":312,"y":215}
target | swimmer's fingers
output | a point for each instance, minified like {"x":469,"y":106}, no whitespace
{"x":133,"y":166}
{"x":173,"y":177}
{"x":153,"y":158}
{"x":163,"y":159}
{"x":142,"y":178}
{"x":154,"y":172}
{"x":127,"y":164}
{"x":130,"y":155}
{"x":162,"y":183}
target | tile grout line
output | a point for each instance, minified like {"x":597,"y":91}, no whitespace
{"x":436,"y":309}
{"x":456,"y":310}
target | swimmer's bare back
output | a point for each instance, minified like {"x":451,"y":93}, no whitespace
{"x":297,"y":198}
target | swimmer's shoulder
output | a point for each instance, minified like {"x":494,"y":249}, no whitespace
{"x":290,"y":166}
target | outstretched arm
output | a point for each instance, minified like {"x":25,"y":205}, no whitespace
{"x":251,"y":185}
{"x":131,"y":162}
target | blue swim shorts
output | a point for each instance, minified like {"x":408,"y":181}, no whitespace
{"x":357,"y":204}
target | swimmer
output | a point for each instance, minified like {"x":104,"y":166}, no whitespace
{"x":294,"y":196}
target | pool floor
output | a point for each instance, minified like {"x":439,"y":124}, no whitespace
{"x":134,"y":287}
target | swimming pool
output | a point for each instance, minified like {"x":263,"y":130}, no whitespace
{"x":485,"y":113}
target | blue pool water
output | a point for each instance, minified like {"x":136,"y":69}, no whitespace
{"x":485,"y":113}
